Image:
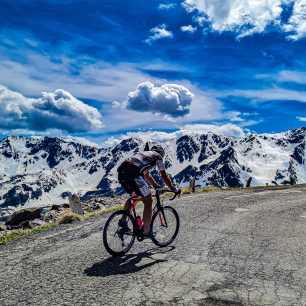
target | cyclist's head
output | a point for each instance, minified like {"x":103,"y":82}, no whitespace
{"x":156,"y":148}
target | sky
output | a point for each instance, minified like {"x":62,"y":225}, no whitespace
{"x":105,"y":69}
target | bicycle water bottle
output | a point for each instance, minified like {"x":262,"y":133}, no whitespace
{"x":139,"y":221}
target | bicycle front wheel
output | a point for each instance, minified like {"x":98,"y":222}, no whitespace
{"x":165,"y":223}
{"x":118,"y":240}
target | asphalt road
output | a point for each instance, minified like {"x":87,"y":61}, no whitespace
{"x":234,"y":248}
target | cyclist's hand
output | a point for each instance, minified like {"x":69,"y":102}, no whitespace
{"x":175,"y":190}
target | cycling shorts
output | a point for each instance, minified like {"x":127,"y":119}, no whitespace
{"x":132,"y":181}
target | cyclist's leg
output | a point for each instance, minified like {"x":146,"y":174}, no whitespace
{"x":126,"y":206}
{"x":147,"y":213}
{"x":142,"y":188}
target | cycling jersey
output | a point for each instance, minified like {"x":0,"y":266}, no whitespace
{"x":130,"y":172}
{"x":146,"y":160}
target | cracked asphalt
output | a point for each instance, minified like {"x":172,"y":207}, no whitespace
{"x":234,"y":248}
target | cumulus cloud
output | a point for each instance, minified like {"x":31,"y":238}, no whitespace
{"x":158,"y":33}
{"x":58,"y":110}
{"x":297,"y":22}
{"x":169,"y":99}
{"x":246,"y":17}
{"x":228,"y":129}
{"x":188,"y":28}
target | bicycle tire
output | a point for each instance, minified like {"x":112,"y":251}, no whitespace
{"x":158,"y":223}
{"x":113,"y":221}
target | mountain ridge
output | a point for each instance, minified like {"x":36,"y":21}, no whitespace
{"x":41,"y":171}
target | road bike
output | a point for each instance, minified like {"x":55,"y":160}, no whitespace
{"x":165,"y":225}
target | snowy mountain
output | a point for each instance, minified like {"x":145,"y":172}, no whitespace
{"x":41,"y":171}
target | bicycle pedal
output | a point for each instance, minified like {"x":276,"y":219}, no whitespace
{"x":140,"y":238}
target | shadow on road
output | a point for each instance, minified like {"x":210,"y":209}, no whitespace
{"x":130,"y":263}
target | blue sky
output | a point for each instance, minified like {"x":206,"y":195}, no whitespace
{"x":233,"y":66}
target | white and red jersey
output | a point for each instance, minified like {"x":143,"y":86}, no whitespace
{"x":147,"y":160}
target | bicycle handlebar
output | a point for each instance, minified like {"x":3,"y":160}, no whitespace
{"x":162,"y":190}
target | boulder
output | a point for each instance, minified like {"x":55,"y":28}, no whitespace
{"x":76,"y":205}
{"x":56,"y":207}
{"x":27,"y":224}
{"x":26,"y":214}
{"x":38,"y":222}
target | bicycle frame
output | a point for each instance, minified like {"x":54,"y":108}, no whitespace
{"x":135,"y":199}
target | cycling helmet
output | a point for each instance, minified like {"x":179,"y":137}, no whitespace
{"x":159,"y":149}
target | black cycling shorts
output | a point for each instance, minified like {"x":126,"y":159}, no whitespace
{"x":132,"y":180}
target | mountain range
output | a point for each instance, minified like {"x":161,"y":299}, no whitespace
{"x":41,"y":171}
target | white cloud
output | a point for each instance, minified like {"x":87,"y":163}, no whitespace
{"x":168,"y":99}
{"x":99,"y":81}
{"x":204,"y":107}
{"x":297,"y":22}
{"x":286,"y":76}
{"x":158,"y":33}
{"x":58,"y":110}
{"x":244,"y":122}
{"x":303,"y":119}
{"x":188,"y":28}
{"x":246,"y":17}
{"x":273,"y":94}
{"x":229,"y":129}
{"x":236,"y":119}
{"x":166,"y":6}
{"x":81,"y":140}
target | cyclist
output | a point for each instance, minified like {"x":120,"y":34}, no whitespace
{"x":134,"y":177}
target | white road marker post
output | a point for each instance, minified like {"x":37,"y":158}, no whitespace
{"x":75,"y":205}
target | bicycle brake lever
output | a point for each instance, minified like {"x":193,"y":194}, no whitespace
{"x":177,"y":194}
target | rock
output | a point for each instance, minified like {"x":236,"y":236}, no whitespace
{"x":91,"y":206}
{"x":75,"y":205}
{"x":51,"y":215}
{"x":56,"y":207}
{"x":66,"y":205}
{"x":26,"y":214}
{"x":38,"y":222}
{"x":2,"y":228}
{"x":27,"y":224}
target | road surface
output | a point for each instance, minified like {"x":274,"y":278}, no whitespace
{"x":234,"y":248}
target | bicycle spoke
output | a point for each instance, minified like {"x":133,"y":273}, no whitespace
{"x":118,"y":239}
{"x":165,"y":224}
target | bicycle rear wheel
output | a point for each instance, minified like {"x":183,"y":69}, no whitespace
{"x":118,"y":240}
{"x":165,"y":223}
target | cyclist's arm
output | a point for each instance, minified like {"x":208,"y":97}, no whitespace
{"x":166,"y":179}
{"x":150,"y":179}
